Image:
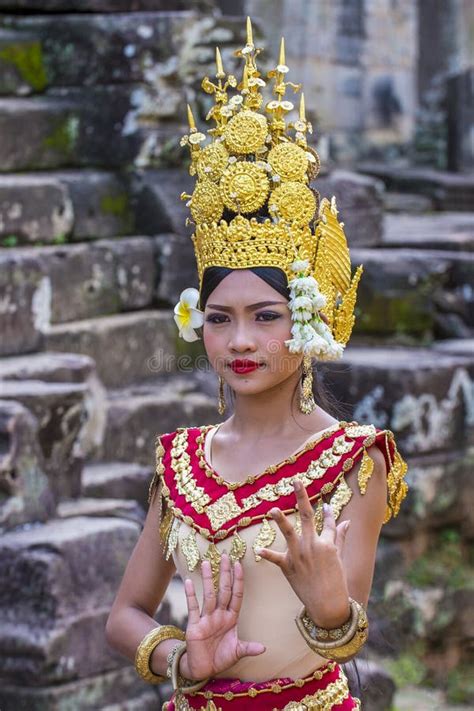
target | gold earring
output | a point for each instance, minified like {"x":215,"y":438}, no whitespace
{"x":221,"y":400}
{"x":307,"y":403}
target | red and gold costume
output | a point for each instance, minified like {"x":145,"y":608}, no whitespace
{"x":205,"y":515}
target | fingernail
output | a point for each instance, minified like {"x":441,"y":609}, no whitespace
{"x":297,"y":485}
{"x":258,"y":550}
{"x":274,"y":512}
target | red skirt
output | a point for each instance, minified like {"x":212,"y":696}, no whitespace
{"x":325,"y":690}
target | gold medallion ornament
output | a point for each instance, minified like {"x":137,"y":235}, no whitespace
{"x":246,"y":132}
{"x":212,"y":162}
{"x":190,"y":550}
{"x":238,"y":548}
{"x":293,"y":202}
{"x":365,"y":472}
{"x":214,"y":556}
{"x":244,"y":187}
{"x":206,"y":202}
{"x":264,"y":538}
{"x":289,"y":161}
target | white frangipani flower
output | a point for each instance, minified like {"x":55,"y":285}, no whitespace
{"x":187,"y":316}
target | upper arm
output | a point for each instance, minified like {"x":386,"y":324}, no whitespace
{"x":147,"y":574}
{"x":366,"y":513}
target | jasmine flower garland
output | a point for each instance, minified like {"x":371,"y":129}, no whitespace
{"x":311,"y":335}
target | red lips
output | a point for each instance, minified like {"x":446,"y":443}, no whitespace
{"x":243,"y":366}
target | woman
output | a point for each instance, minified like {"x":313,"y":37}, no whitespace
{"x":281,"y":493}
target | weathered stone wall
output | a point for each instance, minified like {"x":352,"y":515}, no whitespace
{"x":94,"y":253}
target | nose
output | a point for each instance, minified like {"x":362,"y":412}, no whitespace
{"x":241,"y":339}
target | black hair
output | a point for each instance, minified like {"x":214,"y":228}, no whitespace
{"x":277,"y":279}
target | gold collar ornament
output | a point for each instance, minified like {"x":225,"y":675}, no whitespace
{"x":252,"y":206}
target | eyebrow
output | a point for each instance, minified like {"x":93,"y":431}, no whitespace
{"x":251,"y":307}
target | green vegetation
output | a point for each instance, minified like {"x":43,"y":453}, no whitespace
{"x":27,"y":57}
{"x":63,"y":139}
{"x":445,"y":564}
{"x":460,"y":687}
{"x":409,"y":667}
{"x":10,"y":241}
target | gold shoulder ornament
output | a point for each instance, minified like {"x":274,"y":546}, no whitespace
{"x":253,"y":205}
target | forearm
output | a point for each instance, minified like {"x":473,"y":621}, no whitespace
{"x":127,"y":626}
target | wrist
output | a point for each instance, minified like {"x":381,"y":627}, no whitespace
{"x":331,"y":618}
{"x":184,"y":669}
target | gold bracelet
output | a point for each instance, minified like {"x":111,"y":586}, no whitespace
{"x":180,"y":684}
{"x":146,"y":647}
{"x":347,"y":645}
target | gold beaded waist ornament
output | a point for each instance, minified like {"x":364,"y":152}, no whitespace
{"x":256,"y":161}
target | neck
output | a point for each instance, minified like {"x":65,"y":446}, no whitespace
{"x":271,"y":413}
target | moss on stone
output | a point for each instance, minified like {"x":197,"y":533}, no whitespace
{"x":27,"y":57}
{"x":409,"y":667}
{"x":63,"y":138}
{"x":10,"y":241}
{"x":60,"y":238}
{"x":460,"y":686}
{"x":445,"y":564}
{"x":118,"y":205}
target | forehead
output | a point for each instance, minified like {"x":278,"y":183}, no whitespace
{"x":242,"y":287}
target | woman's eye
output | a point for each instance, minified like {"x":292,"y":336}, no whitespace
{"x":268,"y":315}
{"x":263,"y":315}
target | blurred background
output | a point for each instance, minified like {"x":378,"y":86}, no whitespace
{"x":94,"y":252}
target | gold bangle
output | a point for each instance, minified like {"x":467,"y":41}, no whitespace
{"x":146,"y":647}
{"x":347,"y":645}
{"x":180,"y":684}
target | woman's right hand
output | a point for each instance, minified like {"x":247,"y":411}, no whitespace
{"x":212,"y":642}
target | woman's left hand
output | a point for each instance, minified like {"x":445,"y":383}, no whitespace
{"x":312,"y":563}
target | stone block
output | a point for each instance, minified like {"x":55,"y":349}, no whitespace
{"x":423,"y":396}
{"x":60,"y":579}
{"x":60,"y":409}
{"x":138,"y":413}
{"x":107,"y":6}
{"x":157,"y":201}
{"x":21,"y":292}
{"x":360,"y":204}
{"x":176,"y":261}
{"x":49,"y":367}
{"x":25,"y":491}
{"x":95,"y":127}
{"x":119,"y":508}
{"x":39,"y":208}
{"x":452,"y":231}
{"x":121,"y":480}
{"x":374,"y":686}
{"x":396,"y":291}
{"x":126,"y":347}
{"x":117,"y":690}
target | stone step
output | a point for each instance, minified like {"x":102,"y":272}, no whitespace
{"x":112,"y":6}
{"x":125,"y":347}
{"x":414,"y":295}
{"x":104,"y":127}
{"x":450,"y":231}
{"x":43,"y":287}
{"x":119,"y":480}
{"x":109,"y":507}
{"x":117,"y":690}
{"x":423,"y":395}
{"x":137,"y":414}
{"x":54,"y":207}
{"x":40,"y":51}
{"x":449,"y":191}
{"x":53,"y":631}
{"x":60,"y":410}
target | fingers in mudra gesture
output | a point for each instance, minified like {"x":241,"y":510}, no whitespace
{"x":312,"y":563}
{"x":212,"y":642}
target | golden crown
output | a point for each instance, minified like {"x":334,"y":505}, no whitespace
{"x":252,"y":204}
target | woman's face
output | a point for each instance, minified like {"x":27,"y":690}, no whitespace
{"x":246,"y":319}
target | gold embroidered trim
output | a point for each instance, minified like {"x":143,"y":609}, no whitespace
{"x":238,"y":548}
{"x":223,"y":510}
{"x":165,"y":526}
{"x":340,"y":498}
{"x":397,"y":486}
{"x":252,"y":692}
{"x":184,"y":478}
{"x":211,"y":473}
{"x":365,"y":472}
{"x":159,"y":469}
{"x":172,"y":537}
{"x":190,"y":550}
{"x":264,"y":538}
{"x":324,"y":699}
{"x":213,"y":555}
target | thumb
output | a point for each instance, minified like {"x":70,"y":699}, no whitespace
{"x":249,"y":649}
{"x":341,"y":533}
